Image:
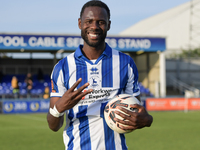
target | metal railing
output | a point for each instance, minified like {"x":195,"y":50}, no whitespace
{"x":188,"y":90}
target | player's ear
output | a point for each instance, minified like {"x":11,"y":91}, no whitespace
{"x":109,"y":23}
{"x":79,"y":23}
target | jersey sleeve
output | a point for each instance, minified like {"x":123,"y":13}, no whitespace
{"x":132,"y":86}
{"x":57,"y":81}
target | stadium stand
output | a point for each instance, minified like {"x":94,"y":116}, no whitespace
{"x":145,"y":91}
{"x":38,"y":87}
{"x":36,"y":92}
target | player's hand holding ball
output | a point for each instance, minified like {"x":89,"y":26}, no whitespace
{"x":120,"y":108}
{"x":124,"y":113}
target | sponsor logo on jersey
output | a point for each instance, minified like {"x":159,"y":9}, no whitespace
{"x":99,"y":95}
{"x":94,"y":70}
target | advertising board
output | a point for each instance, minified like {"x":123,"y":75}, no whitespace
{"x":25,"y":106}
{"x":68,"y":42}
{"x":164,"y":104}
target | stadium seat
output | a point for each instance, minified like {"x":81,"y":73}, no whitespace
{"x":144,"y":91}
{"x":38,"y":86}
{"x":23,"y":92}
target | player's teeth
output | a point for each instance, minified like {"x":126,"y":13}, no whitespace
{"x":93,"y":35}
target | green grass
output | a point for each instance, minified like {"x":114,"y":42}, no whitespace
{"x":28,"y":132}
{"x":169,"y":131}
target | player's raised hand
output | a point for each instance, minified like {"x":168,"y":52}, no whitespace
{"x":134,"y":120}
{"x":72,"y":96}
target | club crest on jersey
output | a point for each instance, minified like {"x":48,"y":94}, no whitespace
{"x":94,"y":70}
{"x":94,"y":81}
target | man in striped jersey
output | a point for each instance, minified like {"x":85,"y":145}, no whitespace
{"x":84,"y":81}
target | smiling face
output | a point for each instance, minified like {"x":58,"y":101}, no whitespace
{"x":94,"y":25}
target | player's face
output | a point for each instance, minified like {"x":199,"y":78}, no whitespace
{"x":94,"y":25}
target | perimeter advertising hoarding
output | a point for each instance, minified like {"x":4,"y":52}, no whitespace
{"x":25,"y":106}
{"x":164,"y":104}
{"x":28,"y":106}
{"x":56,"y":42}
{"x":151,"y":104}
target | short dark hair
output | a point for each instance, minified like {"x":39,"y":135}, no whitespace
{"x":97,"y":3}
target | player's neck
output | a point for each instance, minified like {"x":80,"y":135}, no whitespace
{"x":93,"y":52}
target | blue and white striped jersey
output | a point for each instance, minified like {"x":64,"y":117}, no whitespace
{"x":111,"y":74}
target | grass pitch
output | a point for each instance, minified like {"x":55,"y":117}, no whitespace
{"x":169,"y":131}
{"x":28,"y":132}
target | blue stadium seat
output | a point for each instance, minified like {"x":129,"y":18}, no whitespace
{"x":39,"y":91}
{"x":23,"y":92}
{"x":144,"y":91}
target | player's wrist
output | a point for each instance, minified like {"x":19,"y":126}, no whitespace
{"x":54,"y":112}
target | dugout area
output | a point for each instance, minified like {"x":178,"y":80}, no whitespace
{"x":147,"y":52}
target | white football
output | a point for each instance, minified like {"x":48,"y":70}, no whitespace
{"x":122,"y":100}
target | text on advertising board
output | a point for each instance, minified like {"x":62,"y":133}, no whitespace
{"x":72,"y":42}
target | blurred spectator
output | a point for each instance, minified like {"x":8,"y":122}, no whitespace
{"x":46,"y":94}
{"x":15,"y":86}
{"x":40,"y":75}
{"x":29,"y":83}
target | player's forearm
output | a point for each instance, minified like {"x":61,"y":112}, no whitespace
{"x":54,"y":123}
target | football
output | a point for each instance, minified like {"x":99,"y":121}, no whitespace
{"x":122,"y":100}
